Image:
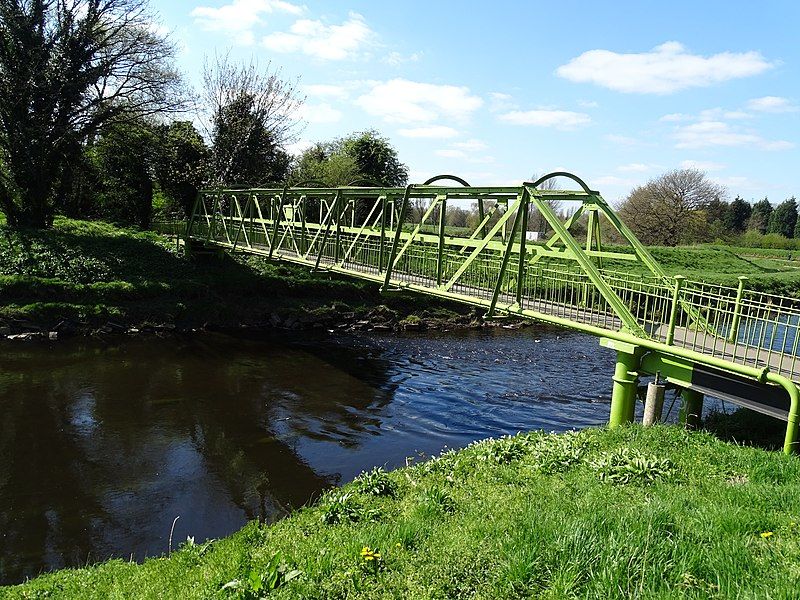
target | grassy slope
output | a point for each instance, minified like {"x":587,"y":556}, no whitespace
{"x":90,"y":271}
{"x":658,"y":513}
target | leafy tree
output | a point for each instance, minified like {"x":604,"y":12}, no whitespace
{"x":250,"y":117}
{"x":738,"y":215}
{"x":760,"y":215}
{"x":68,"y":68}
{"x":784,"y":218}
{"x":123,"y":157}
{"x":375,"y":158}
{"x":182,"y":163}
{"x":669,"y":210}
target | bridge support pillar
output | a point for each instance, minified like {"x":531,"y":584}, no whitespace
{"x":691,"y":408}
{"x":626,"y":376}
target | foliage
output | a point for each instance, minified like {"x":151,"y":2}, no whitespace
{"x":181,"y":166}
{"x":250,"y":116}
{"x":760,"y":216}
{"x":123,"y":157}
{"x":719,"y":520}
{"x":667,"y":210}
{"x":67,"y":69}
{"x":362,"y":155}
{"x":738,"y":215}
{"x":376,"y":483}
{"x":784,"y":218}
{"x":624,"y":466}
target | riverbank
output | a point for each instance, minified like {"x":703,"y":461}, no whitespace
{"x":83,"y":278}
{"x":652,"y":513}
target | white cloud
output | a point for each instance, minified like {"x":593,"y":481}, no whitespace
{"x":472,"y":145}
{"x":588,"y":103}
{"x":622,"y":140}
{"x":611,"y":180}
{"x":500,"y":102}
{"x":240,"y":16}
{"x":395,"y":58}
{"x":710,"y":114}
{"x":560,"y":119}
{"x":326,"y":42}
{"x":702,"y":165}
{"x":665,"y":69}
{"x":434,"y":131}
{"x":451,"y":153}
{"x":772,"y":104}
{"x":634,"y":168}
{"x":320,"y":113}
{"x":326,"y":91}
{"x":403,"y":101}
{"x":716,"y":133}
{"x":297,"y":148}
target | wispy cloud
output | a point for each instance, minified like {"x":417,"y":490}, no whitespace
{"x":717,"y":133}
{"x":403,"y":101}
{"x":772,"y":104}
{"x":238,"y":18}
{"x":560,"y":119}
{"x":665,"y":69}
{"x":325,"y":42}
{"x":434,"y":131}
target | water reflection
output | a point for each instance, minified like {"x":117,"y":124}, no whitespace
{"x":103,"y":444}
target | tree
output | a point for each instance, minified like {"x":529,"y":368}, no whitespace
{"x":250,"y":116}
{"x":123,"y":156}
{"x":181,"y":167}
{"x":784,"y":218}
{"x":738,"y":215}
{"x":667,"y":210}
{"x":375,"y":157}
{"x":760,"y":215}
{"x":68,"y":68}
{"x":536,"y":220}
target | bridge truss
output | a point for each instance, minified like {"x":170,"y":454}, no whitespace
{"x":733,"y":343}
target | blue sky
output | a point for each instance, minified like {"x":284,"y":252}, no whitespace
{"x":497,"y":91}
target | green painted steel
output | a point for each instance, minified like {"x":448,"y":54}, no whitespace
{"x":571,"y":280}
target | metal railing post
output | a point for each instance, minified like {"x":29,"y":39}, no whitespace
{"x":733,"y":334}
{"x":673,"y":315}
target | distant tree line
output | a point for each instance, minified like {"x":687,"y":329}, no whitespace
{"x":683,"y":207}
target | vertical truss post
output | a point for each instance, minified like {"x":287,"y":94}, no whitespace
{"x":673,"y":313}
{"x":382,"y":247}
{"x":733,"y":334}
{"x":303,"y":229}
{"x":342,"y":211}
{"x":521,"y":202}
{"x":522,"y":244}
{"x":398,"y":230}
{"x":481,"y":216}
{"x":440,"y":255}
{"x":331,"y":214}
{"x":277,"y":220}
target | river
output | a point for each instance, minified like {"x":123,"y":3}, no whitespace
{"x":104,"y":442}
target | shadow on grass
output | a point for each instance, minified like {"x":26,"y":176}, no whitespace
{"x":748,"y":428}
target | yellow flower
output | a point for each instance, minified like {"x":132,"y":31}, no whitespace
{"x":398,"y":545}
{"x":766,"y":534}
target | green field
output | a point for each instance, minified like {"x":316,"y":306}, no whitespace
{"x":633,"y":512}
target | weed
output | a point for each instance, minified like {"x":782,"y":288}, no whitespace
{"x":376,"y":483}
{"x":624,"y":466}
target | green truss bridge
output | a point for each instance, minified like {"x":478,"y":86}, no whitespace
{"x":731,"y":343}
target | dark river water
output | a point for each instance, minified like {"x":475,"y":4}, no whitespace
{"x":103,"y":443}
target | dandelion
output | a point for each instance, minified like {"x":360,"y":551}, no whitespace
{"x":767,"y":534}
{"x":368,"y":554}
{"x":398,"y":545}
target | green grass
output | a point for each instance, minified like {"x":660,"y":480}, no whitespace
{"x":647,"y":513}
{"x":93,"y":271}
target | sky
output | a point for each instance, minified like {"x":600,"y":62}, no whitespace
{"x":495,"y":92}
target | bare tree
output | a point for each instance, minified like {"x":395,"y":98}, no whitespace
{"x":67,"y":68}
{"x":668,"y":210}
{"x":536,"y":220}
{"x":250,"y":114}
